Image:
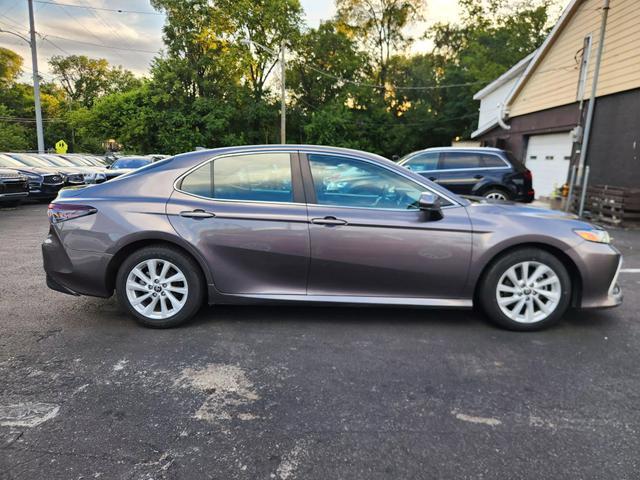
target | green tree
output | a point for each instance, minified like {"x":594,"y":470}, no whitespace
{"x":10,"y":65}
{"x":85,"y":79}
{"x":380,"y":24}
{"x":323,"y":56}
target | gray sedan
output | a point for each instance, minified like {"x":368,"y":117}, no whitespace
{"x":321,"y":225}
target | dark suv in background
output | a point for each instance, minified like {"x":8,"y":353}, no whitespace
{"x":486,"y":172}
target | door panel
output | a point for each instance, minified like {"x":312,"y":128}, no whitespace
{"x":251,"y":247}
{"x":388,"y":248}
{"x":389,"y":253}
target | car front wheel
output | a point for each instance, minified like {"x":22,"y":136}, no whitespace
{"x":159,"y":286}
{"x":527,"y":289}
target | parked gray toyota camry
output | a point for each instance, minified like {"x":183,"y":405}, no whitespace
{"x":322,"y":225}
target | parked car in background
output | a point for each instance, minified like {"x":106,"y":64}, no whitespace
{"x":14,"y":187}
{"x":288,"y":223}
{"x":90,"y":172}
{"x":125,"y":165}
{"x":485,"y":172}
{"x":71,"y":175}
{"x":44,"y":182}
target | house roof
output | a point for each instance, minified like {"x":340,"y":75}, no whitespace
{"x":513,"y":72}
{"x":564,"y":19}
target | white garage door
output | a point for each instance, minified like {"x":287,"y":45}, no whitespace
{"x":548,"y":159}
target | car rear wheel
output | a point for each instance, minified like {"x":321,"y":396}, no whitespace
{"x":160,"y":287}
{"x":527,"y":289}
{"x":496,"y":194}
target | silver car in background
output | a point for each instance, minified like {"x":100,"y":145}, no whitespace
{"x":318,"y":225}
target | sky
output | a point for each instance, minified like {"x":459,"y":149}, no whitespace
{"x":132,"y":38}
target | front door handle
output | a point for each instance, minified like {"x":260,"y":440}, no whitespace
{"x":478,"y":177}
{"x":433,"y":179}
{"x":328,"y":221}
{"x":198,"y":213}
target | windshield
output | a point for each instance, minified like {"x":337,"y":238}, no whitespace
{"x":29,"y":160}
{"x":136,"y":162}
{"x":9,"y":162}
{"x":57,"y":161}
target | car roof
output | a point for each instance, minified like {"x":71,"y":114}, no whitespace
{"x":283,"y":148}
{"x":460,"y":149}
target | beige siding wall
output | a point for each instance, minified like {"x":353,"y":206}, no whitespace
{"x":554,"y":81}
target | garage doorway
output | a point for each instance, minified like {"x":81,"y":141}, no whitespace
{"x":548,"y":157}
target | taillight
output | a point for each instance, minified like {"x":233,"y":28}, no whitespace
{"x":527,"y":174}
{"x":61,"y":212}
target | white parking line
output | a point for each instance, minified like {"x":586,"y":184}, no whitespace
{"x":630,"y":270}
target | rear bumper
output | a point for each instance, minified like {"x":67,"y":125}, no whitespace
{"x":75,"y":272}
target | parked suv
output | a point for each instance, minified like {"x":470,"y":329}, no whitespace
{"x":14,"y":187}
{"x":485,"y":172}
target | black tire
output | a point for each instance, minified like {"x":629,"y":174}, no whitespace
{"x":487,"y":292}
{"x":191,"y":271}
{"x":497,"y":191}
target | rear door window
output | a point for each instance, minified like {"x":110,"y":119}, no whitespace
{"x":254,"y":177}
{"x":460,"y":160}
{"x":493,"y":161}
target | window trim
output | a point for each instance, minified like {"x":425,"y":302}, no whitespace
{"x":296,"y":186}
{"x":507,"y":165}
{"x":310,"y":187}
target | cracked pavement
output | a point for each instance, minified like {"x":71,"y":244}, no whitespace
{"x":304,"y":392}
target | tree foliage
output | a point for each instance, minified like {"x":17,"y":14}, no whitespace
{"x":350,"y":81}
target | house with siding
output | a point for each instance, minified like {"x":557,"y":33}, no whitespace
{"x":541,"y":117}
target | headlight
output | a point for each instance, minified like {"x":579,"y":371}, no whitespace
{"x":594,"y":235}
{"x":32,"y":176}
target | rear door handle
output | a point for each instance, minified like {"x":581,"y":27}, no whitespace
{"x":198,"y":213}
{"x":328,"y":221}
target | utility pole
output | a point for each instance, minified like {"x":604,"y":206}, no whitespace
{"x":283,"y":96}
{"x":592,"y":100}
{"x":36,"y":78}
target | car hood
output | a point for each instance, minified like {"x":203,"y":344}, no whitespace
{"x":482,"y":206}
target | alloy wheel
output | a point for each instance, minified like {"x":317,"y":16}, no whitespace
{"x":157,"y":289}
{"x":495,"y":196}
{"x":528,"y":292}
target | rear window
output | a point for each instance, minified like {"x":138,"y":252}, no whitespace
{"x":130,"y":163}
{"x":492,"y":161}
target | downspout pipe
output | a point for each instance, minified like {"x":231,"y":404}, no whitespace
{"x":592,"y":100}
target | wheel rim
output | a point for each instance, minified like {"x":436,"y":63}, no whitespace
{"x":495,"y":196}
{"x":157,"y":289}
{"x":528,"y":292}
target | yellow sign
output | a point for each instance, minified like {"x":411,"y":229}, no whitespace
{"x":61,"y":147}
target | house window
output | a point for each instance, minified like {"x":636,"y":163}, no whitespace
{"x":533,"y":157}
{"x":549,"y":157}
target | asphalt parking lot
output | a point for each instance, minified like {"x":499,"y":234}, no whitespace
{"x":307,"y":393}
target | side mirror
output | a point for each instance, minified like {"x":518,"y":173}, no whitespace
{"x":395,"y":158}
{"x":430,"y":204}
{"x":108,"y":167}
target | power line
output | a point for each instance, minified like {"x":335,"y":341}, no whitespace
{"x":86,"y":7}
{"x":102,"y":46}
{"x":393,"y":87}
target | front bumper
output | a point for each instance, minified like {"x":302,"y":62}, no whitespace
{"x":45,"y":190}
{"x":599,"y":265}
{"x":76,"y":272}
